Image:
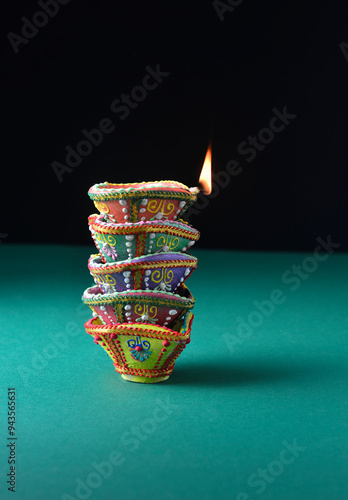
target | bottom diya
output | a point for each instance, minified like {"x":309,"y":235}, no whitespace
{"x":142,"y":352}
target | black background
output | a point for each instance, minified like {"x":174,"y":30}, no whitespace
{"x":225,"y":79}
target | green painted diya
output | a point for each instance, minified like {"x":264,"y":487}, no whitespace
{"x":117,"y":242}
{"x":140,"y":352}
{"x":139,"y":306}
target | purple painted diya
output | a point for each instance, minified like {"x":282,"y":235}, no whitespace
{"x":143,"y":201}
{"x":117,"y":242}
{"x":162,"y":271}
{"x":139,"y":306}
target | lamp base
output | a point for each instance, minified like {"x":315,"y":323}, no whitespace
{"x":144,"y":380}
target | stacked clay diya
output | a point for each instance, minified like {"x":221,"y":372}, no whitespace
{"x":141,"y":307}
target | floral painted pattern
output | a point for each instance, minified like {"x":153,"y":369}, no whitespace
{"x":139,"y":349}
{"x":109,"y":251}
{"x":109,"y":288}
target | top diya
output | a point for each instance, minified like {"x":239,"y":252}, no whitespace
{"x":143,"y":201}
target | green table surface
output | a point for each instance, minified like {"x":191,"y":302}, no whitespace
{"x":256,"y":406}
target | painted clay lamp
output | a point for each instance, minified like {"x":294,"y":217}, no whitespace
{"x":142,"y":310}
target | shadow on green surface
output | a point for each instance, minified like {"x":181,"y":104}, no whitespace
{"x":257,"y":373}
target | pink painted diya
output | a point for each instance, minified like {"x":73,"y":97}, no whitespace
{"x":117,"y":242}
{"x":142,"y":201}
{"x":139,"y":306}
{"x":161,"y":271}
{"x":141,"y":352}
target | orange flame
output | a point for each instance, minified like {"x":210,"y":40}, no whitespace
{"x":205,"y":180}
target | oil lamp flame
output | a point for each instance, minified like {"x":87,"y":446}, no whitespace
{"x":205,"y":177}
